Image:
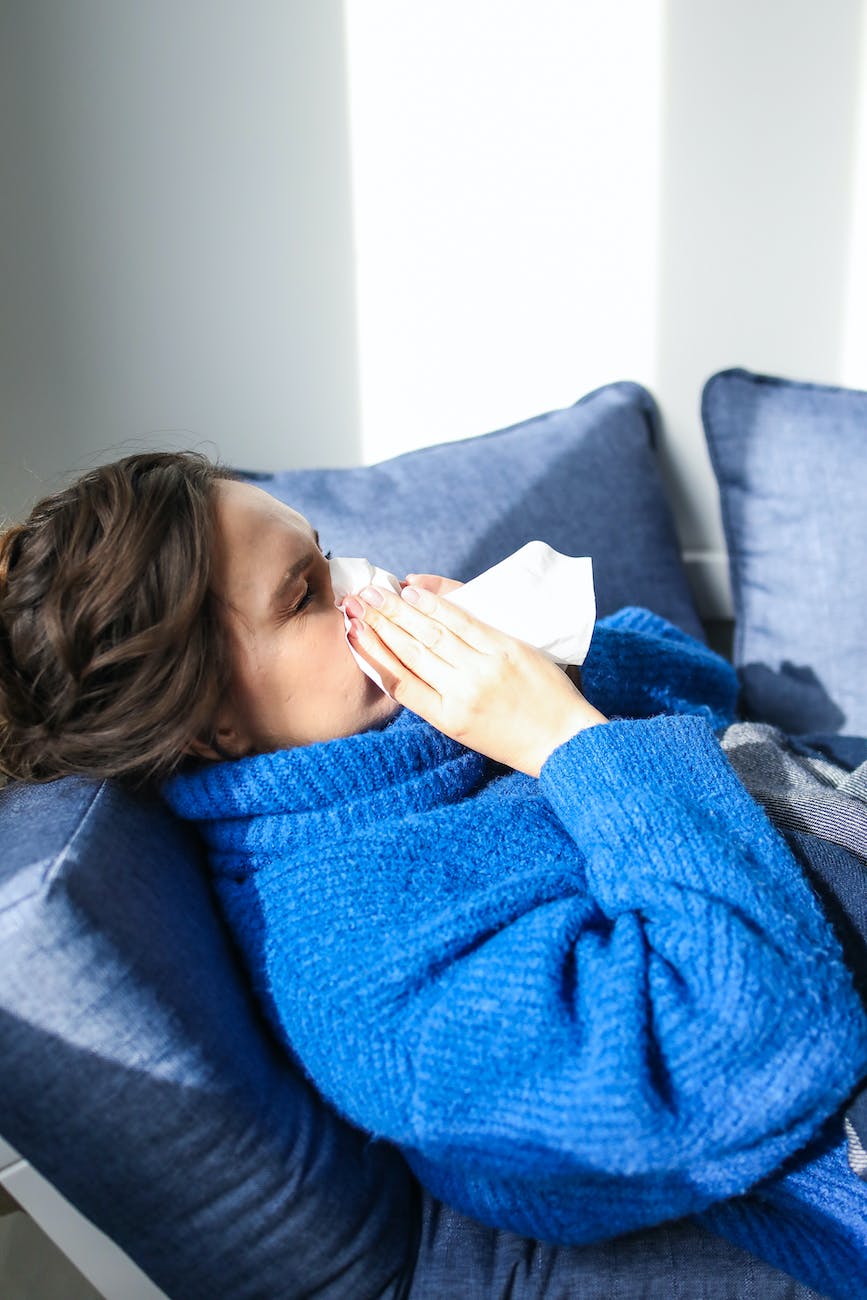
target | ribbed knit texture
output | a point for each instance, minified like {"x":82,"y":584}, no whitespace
{"x":582,"y":1004}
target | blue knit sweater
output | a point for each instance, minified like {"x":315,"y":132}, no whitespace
{"x":581,"y":1004}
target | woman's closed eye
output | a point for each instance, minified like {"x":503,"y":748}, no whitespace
{"x":311,"y":589}
{"x":303,"y":602}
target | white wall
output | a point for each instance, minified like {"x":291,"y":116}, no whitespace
{"x":552,"y":196}
{"x":759,"y":238}
{"x":300,"y":231}
{"x":176,"y":243}
{"x":506,"y":164}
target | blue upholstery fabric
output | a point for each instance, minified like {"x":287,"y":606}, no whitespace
{"x":791,"y":464}
{"x":461,"y":1260}
{"x":584,"y":479}
{"x":138,"y":1076}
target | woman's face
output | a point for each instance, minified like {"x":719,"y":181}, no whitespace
{"x":294,"y":678}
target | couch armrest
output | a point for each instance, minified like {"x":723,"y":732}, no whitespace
{"x":97,"y":1258}
{"x":8,"y":1154}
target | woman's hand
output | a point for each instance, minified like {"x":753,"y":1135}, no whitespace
{"x":487,"y":690}
{"x":432,"y":582}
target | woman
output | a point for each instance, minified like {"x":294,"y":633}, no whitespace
{"x":565,"y":962}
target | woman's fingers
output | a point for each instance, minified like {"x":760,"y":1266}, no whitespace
{"x":415,"y":643}
{"x":465,"y":626}
{"x":400,"y":681}
{"x":407,"y":631}
{"x":485,"y":689}
{"x":432,"y":582}
{"x":418,"y":637}
{"x":436,"y":624}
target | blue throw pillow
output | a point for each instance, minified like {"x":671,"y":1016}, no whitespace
{"x":584,"y":479}
{"x":791,"y":464}
{"x":138,"y":1075}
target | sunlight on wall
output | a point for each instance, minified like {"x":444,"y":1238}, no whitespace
{"x":853,"y":369}
{"x":505,"y":173}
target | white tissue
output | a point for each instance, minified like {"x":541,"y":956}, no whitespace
{"x":536,"y":595}
{"x":348,"y":577}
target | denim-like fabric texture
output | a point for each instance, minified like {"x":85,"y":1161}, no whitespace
{"x":138,"y":1077}
{"x":461,"y":1260}
{"x":791,"y":464}
{"x":584,"y":479}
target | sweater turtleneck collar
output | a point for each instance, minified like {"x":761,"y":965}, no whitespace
{"x":406,"y":753}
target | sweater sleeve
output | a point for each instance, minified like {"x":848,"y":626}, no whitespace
{"x":640,"y":665}
{"x":655,"y":1042}
{"x":581,"y":1005}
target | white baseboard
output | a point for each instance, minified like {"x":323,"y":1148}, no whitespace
{"x":102,"y":1263}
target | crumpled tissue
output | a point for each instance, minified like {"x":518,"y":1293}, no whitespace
{"x":536,"y":594}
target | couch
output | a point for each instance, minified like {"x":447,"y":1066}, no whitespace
{"x":143,"y":1100}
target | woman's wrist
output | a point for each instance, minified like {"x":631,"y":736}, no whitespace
{"x":578,"y":719}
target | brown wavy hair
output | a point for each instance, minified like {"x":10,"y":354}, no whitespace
{"x":112,"y":652}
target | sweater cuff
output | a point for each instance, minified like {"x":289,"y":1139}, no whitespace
{"x":678,"y":755}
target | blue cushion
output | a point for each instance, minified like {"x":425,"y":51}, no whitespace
{"x":138,"y":1076}
{"x":584,"y":479}
{"x":791,"y":464}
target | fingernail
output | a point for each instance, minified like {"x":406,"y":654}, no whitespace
{"x":353,"y":607}
{"x":411,"y":595}
{"x":372,"y":596}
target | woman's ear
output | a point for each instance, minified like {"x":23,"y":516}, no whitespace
{"x":225,"y":745}
{"x":213,"y":752}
